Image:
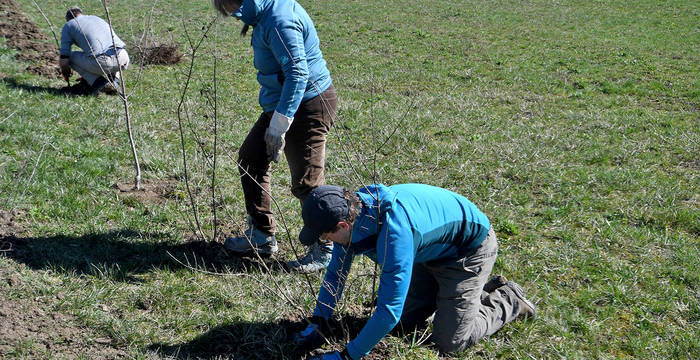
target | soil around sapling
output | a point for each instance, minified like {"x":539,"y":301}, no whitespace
{"x":152,"y":191}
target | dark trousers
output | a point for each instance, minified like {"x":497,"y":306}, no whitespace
{"x":453,"y":291}
{"x":305,"y":150}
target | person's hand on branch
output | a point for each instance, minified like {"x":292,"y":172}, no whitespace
{"x":333,"y":355}
{"x":274,"y":135}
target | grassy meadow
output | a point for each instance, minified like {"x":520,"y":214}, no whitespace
{"x":574,"y":126}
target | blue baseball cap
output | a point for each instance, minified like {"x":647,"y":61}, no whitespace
{"x":323,"y":208}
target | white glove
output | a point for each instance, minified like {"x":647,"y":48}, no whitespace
{"x":274,"y":135}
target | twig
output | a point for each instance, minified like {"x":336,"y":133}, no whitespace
{"x":36,"y":164}
{"x":8,"y":116}
{"x":193,"y":47}
{"x":141,"y":64}
{"x":282,"y":221}
{"x":58,"y":45}
{"x":11,"y":200}
{"x":244,"y":274}
{"x":324,"y":102}
{"x":125,"y":100}
{"x":213,"y":167}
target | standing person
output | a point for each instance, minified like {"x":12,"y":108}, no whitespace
{"x":435,"y":250}
{"x":298,"y":103}
{"x":99,"y":62}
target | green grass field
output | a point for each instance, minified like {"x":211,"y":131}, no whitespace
{"x":574,"y":126}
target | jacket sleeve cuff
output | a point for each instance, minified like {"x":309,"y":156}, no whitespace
{"x":353,"y":353}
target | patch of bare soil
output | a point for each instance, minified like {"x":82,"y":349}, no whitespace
{"x":10,"y":224}
{"x":154,"y":191}
{"x":159,"y":54}
{"x":32,"y":45}
{"x":29,"y":330}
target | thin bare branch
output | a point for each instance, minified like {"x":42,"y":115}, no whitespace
{"x":8,"y":116}
{"x":58,"y":45}
{"x":194,"y":47}
{"x":125,"y":101}
{"x":141,"y":63}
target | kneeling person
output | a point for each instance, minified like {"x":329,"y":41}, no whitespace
{"x":101,"y":58}
{"x":435,"y":250}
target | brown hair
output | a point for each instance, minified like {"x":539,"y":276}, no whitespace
{"x":220,"y":6}
{"x":72,"y":13}
{"x":355,"y":206}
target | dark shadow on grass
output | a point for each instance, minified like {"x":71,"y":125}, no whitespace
{"x":12,"y":82}
{"x":242,"y":340}
{"x":264,"y":340}
{"x":121,"y":254}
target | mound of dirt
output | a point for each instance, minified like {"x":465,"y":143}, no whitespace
{"x":159,"y":54}
{"x":152,"y":191}
{"x":32,"y":45}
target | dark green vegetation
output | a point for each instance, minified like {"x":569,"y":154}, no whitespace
{"x":573,"y":125}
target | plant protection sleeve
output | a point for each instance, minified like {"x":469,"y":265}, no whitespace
{"x":395,"y":254}
{"x":287,"y":45}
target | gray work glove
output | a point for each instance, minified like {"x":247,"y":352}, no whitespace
{"x":274,"y":135}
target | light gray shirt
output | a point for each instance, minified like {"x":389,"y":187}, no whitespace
{"x":90,"y":33}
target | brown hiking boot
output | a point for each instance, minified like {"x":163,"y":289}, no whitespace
{"x":495,"y":283}
{"x":527,"y":309}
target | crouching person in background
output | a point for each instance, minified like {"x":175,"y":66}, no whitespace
{"x":435,"y":250}
{"x":100,"y":59}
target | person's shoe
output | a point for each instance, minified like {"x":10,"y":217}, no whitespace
{"x":112,"y":87}
{"x":98,"y":85}
{"x":252,"y":241}
{"x":495,"y":283}
{"x":527,"y":309}
{"x":317,"y":259}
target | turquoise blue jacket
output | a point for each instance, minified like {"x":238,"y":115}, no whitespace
{"x":399,"y":226}
{"x":291,"y":68}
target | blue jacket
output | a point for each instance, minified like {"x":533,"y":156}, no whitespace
{"x":417,"y":223}
{"x":291,"y":68}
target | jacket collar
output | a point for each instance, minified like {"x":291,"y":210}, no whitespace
{"x":377,"y":200}
{"x":251,"y":11}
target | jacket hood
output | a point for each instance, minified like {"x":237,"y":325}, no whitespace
{"x":377,"y":200}
{"x":251,"y":11}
